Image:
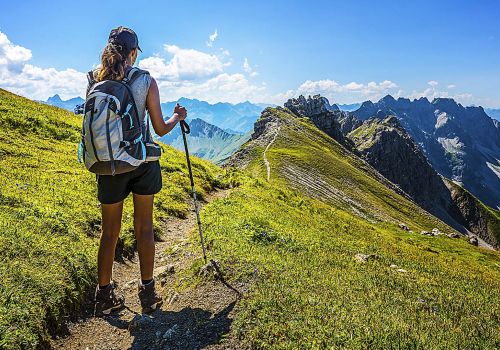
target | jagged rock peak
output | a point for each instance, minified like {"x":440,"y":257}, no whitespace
{"x":387,"y":99}
{"x":314,"y":105}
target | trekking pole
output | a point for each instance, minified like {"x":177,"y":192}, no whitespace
{"x":218,"y":273}
{"x":185,"y":130}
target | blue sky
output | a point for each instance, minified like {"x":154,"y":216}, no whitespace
{"x":264,"y":51}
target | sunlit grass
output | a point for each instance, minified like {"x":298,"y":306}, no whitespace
{"x":50,"y":217}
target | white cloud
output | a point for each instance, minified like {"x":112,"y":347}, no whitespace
{"x":451,"y":86}
{"x":223,"y":87}
{"x":347,"y":93}
{"x":20,"y":77}
{"x":211,"y":38}
{"x":185,"y":64}
{"x":433,"y":83}
{"x":248,"y":69}
{"x":184,"y":72}
{"x":11,"y":54}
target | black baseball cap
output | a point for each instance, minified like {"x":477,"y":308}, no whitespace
{"x":125,"y":37}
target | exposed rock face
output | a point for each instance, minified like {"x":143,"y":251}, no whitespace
{"x":310,"y":106}
{"x":481,"y":220}
{"x":391,"y":150}
{"x":326,"y":117}
{"x":461,"y":143}
{"x":386,"y":145}
{"x":261,"y":124}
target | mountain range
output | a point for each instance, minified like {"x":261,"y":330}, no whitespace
{"x":227,"y":116}
{"x":461,"y":143}
{"x":69,"y":104}
{"x":207,"y":141}
{"x":398,"y":161}
{"x":493,"y":113}
{"x":235,"y":118}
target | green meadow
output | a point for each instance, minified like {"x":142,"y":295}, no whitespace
{"x":295,"y":248}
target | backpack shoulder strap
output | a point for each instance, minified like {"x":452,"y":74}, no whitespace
{"x":91,"y":81}
{"x":90,"y":77}
{"x":133,"y":74}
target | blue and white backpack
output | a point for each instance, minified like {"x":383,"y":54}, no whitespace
{"x":114,"y":140}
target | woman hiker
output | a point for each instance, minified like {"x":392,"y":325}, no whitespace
{"x":118,"y":57}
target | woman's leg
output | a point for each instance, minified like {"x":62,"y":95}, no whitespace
{"x":111,"y":224}
{"x":143,"y":227}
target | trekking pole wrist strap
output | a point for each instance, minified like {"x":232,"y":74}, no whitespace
{"x":185,"y":127}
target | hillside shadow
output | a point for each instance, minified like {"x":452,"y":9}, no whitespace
{"x":189,"y":328}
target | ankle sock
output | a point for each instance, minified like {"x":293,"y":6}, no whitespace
{"x":144,"y":282}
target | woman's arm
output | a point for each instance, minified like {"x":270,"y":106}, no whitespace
{"x":153,"y":106}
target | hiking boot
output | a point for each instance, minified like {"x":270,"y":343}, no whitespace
{"x":150,"y":300}
{"x":107,"y":301}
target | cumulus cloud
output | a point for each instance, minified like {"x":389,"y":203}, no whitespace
{"x":184,"y":64}
{"x":183,"y":72}
{"x":225,"y":87}
{"x":180,"y":72}
{"x":196,"y":74}
{"x":11,"y":54}
{"x":211,"y":38}
{"x":25,"y":79}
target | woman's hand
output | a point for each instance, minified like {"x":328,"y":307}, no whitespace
{"x":180,"y":111}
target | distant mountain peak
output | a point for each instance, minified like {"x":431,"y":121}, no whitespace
{"x":55,"y":98}
{"x":387,"y":99}
{"x":68,"y":105}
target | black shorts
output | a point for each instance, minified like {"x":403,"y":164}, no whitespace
{"x":145,"y":180}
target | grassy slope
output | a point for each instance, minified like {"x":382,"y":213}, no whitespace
{"x":309,"y":290}
{"x":49,"y":217}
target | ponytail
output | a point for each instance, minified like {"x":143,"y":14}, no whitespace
{"x":112,"y":62}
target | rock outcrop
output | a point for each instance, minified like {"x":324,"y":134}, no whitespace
{"x":385,"y":144}
{"x":326,"y":117}
{"x":482,"y":221}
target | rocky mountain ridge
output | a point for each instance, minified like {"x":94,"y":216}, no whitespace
{"x":386,"y":145}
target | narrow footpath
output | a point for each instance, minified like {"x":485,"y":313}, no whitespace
{"x":196,"y":318}
{"x":266,"y":162}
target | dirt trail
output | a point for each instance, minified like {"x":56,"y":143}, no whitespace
{"x":268,"y":167}
{"x":196,"y":318}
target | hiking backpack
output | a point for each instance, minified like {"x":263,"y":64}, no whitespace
{"x":114,"y":140}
